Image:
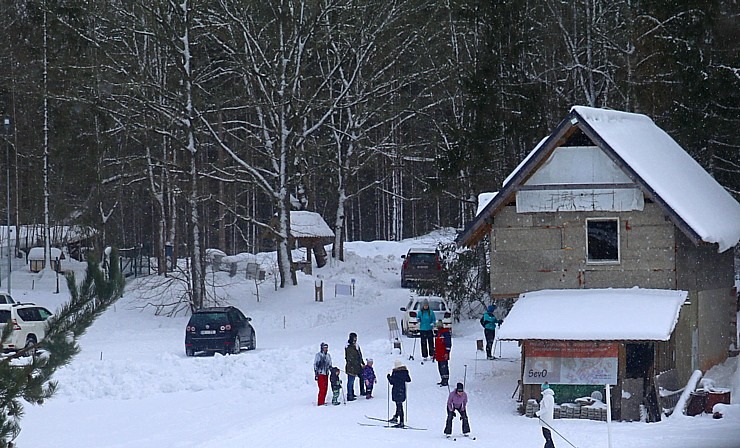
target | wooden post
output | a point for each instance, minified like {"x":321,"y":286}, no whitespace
{"x":319,"y":291}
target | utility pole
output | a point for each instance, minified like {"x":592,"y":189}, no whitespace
{"x":7,"y":192}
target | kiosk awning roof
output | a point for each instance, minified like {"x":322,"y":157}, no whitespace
{"x":594,"y":315}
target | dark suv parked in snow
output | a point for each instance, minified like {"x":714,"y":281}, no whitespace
{"x":420,"y":265}
{"x":219,"y":329}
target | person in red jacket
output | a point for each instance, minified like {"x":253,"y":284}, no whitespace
{"x":442,"y":347}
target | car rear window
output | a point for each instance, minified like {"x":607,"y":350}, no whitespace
{"x":418,"y":259}
{"x":209,"y":318}
{"x":433,"y":306}
{"x":437,"y":306}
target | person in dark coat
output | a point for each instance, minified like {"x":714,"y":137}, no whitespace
{"x":442,"y":347}
{"x":457,"y":401}
{"x":398,"y":379}
{"x":354,"y":366}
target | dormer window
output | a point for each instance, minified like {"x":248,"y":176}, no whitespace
{"x":602,"y":244}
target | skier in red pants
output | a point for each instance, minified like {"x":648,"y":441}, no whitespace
{"x":322,"y":369}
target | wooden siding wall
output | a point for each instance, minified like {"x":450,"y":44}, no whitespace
{"x":537,"y":251}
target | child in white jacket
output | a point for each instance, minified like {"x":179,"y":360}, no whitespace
{"x":547,"y":406}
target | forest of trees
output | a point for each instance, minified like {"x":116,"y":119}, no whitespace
{"x":201,"y":123}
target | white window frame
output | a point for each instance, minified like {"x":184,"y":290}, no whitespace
{"x":619,"y":242}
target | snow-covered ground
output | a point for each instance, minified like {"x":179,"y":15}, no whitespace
{"x":133,"y":386}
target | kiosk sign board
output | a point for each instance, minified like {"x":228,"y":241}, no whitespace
{"x":571,"y":362}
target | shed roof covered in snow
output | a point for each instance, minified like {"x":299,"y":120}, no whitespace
{"x":594,"y":315}
{"x":304,"y":224}
{"x":665,"y":173}
{"x":37,"y":253}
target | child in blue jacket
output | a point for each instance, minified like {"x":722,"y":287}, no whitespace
{"x":368,"y":375}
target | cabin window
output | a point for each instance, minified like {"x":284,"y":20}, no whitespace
{"x":602,"y":245}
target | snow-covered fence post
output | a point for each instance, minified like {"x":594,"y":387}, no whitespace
{"x":319,"y":290}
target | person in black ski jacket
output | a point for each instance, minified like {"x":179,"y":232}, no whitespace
{"x":398,"y":379}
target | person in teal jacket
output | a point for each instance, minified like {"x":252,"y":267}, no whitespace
{"x":426,"y":329}
{"x":489,"y":323}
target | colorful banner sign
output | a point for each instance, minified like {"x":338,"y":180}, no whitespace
{"x":570,"y":362}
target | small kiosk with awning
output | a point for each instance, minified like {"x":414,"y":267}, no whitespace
{"x":580,"y":340}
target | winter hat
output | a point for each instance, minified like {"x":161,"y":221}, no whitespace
{"x":491,"y":308}
{"x":397,"y":364}
{"x":324,"y":345}
{"x":352,"y":337}
{"x":460,"y":387}
{"x":425,"y":303}
{"x":544,"y":386}
{"x":369,"y":361}
{"x":440,"y":324}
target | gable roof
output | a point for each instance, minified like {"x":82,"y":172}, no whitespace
{"x":305,"y":224}
{"x":698,"y":205}
{"x":632,"y":314}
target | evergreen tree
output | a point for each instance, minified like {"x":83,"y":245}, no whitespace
{"x":31,"y":381}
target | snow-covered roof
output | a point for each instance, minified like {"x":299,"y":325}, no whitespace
{"x":212,"y":253}
{"x":694,"y":200}
{"x":484,"y":199}
{"x":242,"y":257}
{"x":305,"y":224}
{"x":594,"y":314}
{"x":670,"y":172}
{"x":37,"y":253}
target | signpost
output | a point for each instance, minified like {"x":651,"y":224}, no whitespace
{"x":574,"y":362}
{"x":571,"y":362}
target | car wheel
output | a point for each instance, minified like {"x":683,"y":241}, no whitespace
{"x":30,"y":342}
{"x":253,"y":342}
{"x":237,"y":346}
{"x":189,"y":351}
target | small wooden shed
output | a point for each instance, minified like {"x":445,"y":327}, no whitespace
{"x":309,"y":230}
{"x":581,"y":340}
{"x":37,"y":262}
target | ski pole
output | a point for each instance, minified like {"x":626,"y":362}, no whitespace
{"x":413,"y":352}
{"x":388,"y":404}
{"x":556,"y":432}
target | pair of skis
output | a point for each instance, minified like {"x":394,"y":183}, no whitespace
{"x":386,"y":424}
{"x":464,"y":436}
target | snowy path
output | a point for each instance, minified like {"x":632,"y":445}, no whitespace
{"x":133,"y":386}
